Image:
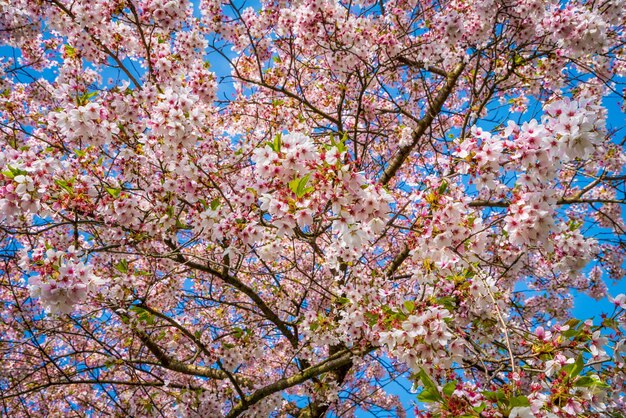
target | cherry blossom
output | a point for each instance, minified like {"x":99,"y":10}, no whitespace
{"x":277,"y":209}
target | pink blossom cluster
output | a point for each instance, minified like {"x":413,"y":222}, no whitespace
{"x":61,"y":281}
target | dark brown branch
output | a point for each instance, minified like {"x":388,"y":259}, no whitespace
{"x":333,"y":362}
{"x":234,"y":282}
{"x":169,"y":363}
{"x":433,"y":110}
{"x":422,"y":65}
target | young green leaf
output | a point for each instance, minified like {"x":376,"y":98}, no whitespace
{"x":518,"y":401}
{"x":449,"y":388}
{"x":409,"y":305}
{"x":429,"y":384}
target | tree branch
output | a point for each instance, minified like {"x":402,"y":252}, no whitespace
{"x":333,"y":362}
{"x":423,"y":124}
{"x":248,"y":291}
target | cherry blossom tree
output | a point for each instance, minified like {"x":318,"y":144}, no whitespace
{"x":218,"y":209}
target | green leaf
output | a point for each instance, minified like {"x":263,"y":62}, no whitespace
{"x":181,"y":225}
{"x":589,"y":381}
{"x":480,"y":408}
{"x":429,"y":384}
{"x":114,"y":192}
{"x":584,"y":382}
{"x":449,"y":388}
{"x":16,"y":171}
{"x":84,"y":98}
{"x":298,"y":186}
{"x":64,"y":185}
{"x":341,"y":146}
{"x":574,"y":369}
{"x":495,"y":396}
{"x":70,"y":51}
{"x":409,"y":305}
{"x":573,"y":225}
{"x":428,"y":396}
{"x":371,"y":318}
{"x":342,"y":300}
{"x":447,"y":302}
{"x":573,"y":323}
{"x":278,"y":102}
{"x":142,"y":314}
{"x":278,"y":142}
{"x":122,"y":266}
{"x":578,"y":366}
{"x":571,"y":333}
{"x":518,"y":401}
{"x":302,"y":185}
{"x":147,"y":317}
{"x":611,"y":323}
{"x":443,"y":187}
{"x":238,"y":332}
{"x":215,"y":203}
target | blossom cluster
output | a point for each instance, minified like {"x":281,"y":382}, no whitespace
{"x":61,"y":281}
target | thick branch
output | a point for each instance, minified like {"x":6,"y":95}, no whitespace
{"x":397,"y":262}
{"x":178,"y":326}
{"x":424,"y":123}
{"x":422,"y":65}
{"x":248,"y":291}
{"x":332,"y":363}
{"x":175,"y":365}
